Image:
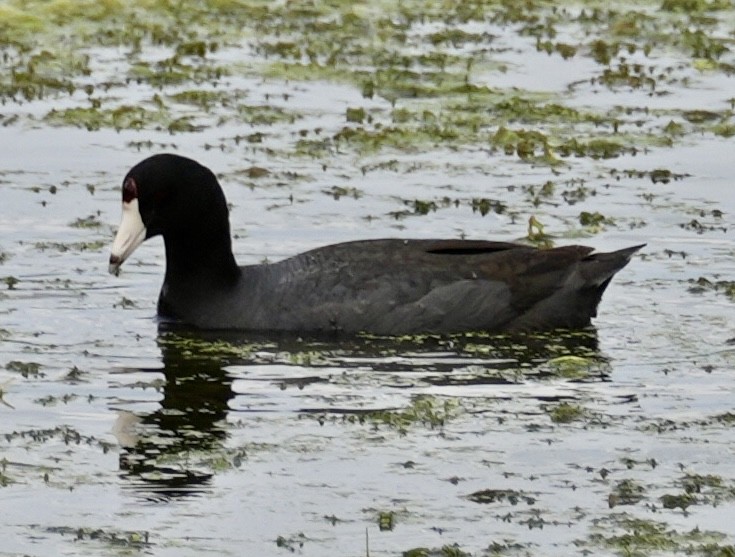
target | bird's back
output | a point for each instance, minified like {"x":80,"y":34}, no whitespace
{"x":409,"y":286}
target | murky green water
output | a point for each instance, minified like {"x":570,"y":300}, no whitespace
{"x":330,"y":122}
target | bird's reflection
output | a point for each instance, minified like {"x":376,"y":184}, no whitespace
{"x":189,"y":421}
{"x":163,"y":457}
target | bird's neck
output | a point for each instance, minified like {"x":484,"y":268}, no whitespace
{"x":200,"y":259}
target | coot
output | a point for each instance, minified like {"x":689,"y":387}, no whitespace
{"x":386,"y":286}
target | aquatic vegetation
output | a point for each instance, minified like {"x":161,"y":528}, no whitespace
{"x":194,"y":346}
{"x":51,"y":400}
{"x":337,"y":192}
{"x":565,"y":413}
{"x":11,"y":282}
{"x":75,"y":375}
{"x":94,"y":245}
{"x":127,"y":540}
{"x":25,"y":369}
{"x":291,"y":543}
{"x":5,"y":480}
{"x":488,"y":496}
{"x":702,"y":284}
{"x":386,"y":520}
{"x":679,"y":500}
{"x":122,"y":118}
{"x":326,"y":104}
{"x":626,"y":492}
{"x":698,"y":489}
{"x":67,"y":435}
{"x":573,"y":367}
{"x":594,"y":220}
{"x":356,"y":115}
{"x":91,"y":221}
{"x":125,"y":303}
{"x":445,"y":551}
{"x":423,"y":410}
{"x":173,"y":71}
{"x":645,"y":537}
{"x":436,"y":93}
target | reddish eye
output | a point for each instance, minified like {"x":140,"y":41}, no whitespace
{"x":130,"y":190}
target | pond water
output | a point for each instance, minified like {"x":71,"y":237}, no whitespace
{"x":119,"y":435}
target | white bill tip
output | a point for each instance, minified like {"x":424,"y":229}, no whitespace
{"x":129,"y":236}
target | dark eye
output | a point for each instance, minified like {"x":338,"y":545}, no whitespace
{"x":130,"y":190}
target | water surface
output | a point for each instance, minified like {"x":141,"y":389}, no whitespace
{"x":120,"y":436}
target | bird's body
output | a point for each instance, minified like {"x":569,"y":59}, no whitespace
{"x":386,"y":286}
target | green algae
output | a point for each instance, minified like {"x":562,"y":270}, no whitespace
{"x":490,"y":496}
{"x":566,"y":413}
{"x":594,"y":220}
{"x":319,"y":42}
{"x":702,"y":284}
{"x":626,"y":492}
{"x":132,"y":540}
{"x":640,"y":537}
{"x":386,"y":521}
{"x":291,"y":543}
{"x":62,"y":247}
{"x":90,"y":221}
{"x":25,"y":369}
{"x":677,"y":500}
{"x":11,"y":282}
{"x":123,"y":117}
{"x":189,"y":346}
{"x":206,"y":100}
{"x":174,"y":71}
{"x":573,"y":367}
{"x":67,"y":435}
{"x":337,"y":192}
{"x":448,"y":550}
{"x":423,"y":410}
